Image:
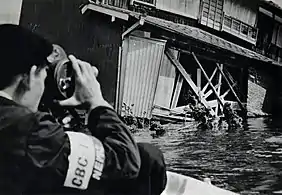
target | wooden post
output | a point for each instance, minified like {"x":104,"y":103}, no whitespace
{"x":118,"y":79}
{"x":231,"y":88}
{"x":219,"y":87}
{"x":199,"y":77}
{"x":208,"y":79}
{"x":177,"y":91}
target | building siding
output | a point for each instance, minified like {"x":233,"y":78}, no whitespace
{"x":189,"y":8}
{"x":10,"y":11}
{"x":245,"y":11}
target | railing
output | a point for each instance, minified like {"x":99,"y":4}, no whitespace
{"x":239,"y":29}
{"x":153,"y":2}
{"x":149,"y":3}
{"x":117,"y":3}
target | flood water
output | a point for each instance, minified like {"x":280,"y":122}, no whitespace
{"x":246,"y":161}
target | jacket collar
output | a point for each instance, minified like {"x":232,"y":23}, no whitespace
{"x":5,"y":95}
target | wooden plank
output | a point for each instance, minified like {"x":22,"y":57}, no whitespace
{"x":177,"y":91}
{"x":231,"y":88}
{"x":177,"y":118}
{"x":199,"y":79}
{"x":213,"y":103}
{"x":186,"y":76}
{"x":211,"y":85}
{"x":117,"y":14}
{"x":180,"y":110}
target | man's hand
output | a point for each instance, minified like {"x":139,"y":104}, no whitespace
{"x":87,"y":89}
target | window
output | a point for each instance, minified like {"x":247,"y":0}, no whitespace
{"x":253,"y":33}
{"x":212,"y":13}
{"x":239,"y":29}
{"x":236,"y":26}
{"x":228,"y":22}
{"x":244,"y":29}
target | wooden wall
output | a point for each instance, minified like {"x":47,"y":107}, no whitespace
{"x":91,"y":37}
{"x":243,"y":10}
{"x":189,"y":8}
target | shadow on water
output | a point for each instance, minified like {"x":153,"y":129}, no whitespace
{"x":247,"y":161}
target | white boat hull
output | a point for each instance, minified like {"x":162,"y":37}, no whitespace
{"x":183,"y":185}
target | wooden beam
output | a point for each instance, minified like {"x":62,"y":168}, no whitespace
{"x":186,"y":76}
{"x":104,"y":10}
{"x":118,"y":78}
{"x":219,"y":87}
{"x":177,"y":91}
{"x":183,"y":72}
{"x":206,"y":86}
{"x":205,"y":74}
{"x":231,"y":88}
{"x":199,"y":79}
{"x":133,"y":27}
{"x":206,"y":95}
{"x":226,"y":93}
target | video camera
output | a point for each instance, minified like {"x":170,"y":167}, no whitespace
{"x":60,"y":85}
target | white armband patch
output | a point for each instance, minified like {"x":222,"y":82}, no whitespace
{"x":84,"y":152}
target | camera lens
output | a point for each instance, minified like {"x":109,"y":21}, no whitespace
{"x":64,"y":77}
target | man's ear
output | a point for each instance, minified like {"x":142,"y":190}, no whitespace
{"x":25,"y":82}
{"x":57,"y":54}
{"x":27,"y":79}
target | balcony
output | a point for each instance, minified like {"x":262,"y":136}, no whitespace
{"x":239,"y":29}
{"x":117,"y":3}
{"x":145,"y":2}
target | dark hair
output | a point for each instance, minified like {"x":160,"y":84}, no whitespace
{"x":20,"y":49}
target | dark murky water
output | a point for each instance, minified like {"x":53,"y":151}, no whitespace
{"x":247,"y":161}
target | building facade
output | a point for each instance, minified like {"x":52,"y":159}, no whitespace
{"x":152,"y":53}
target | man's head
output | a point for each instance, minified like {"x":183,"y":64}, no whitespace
{"x":23,"y":64}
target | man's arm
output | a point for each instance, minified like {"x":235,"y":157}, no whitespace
{"x":53,"y":159}
{"x":122,"y":155}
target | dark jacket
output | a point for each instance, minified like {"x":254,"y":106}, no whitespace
{"x":34,"y":151}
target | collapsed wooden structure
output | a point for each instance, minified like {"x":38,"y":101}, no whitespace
{"x":160,"y":61}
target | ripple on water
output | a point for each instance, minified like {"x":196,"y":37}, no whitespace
{"x":248,"y":161}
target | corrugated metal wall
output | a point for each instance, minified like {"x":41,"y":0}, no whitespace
{"x":188,"y":8}
{"x":245,"y":11}
{"x":142,"y":67}
{"x":10,"y":11}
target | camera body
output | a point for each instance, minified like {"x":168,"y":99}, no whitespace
{"x":60,"y":85}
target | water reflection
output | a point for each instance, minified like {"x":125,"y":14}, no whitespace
{"x":247,"y":161}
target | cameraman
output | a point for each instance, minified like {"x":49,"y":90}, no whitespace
{"x":36,"y":155}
